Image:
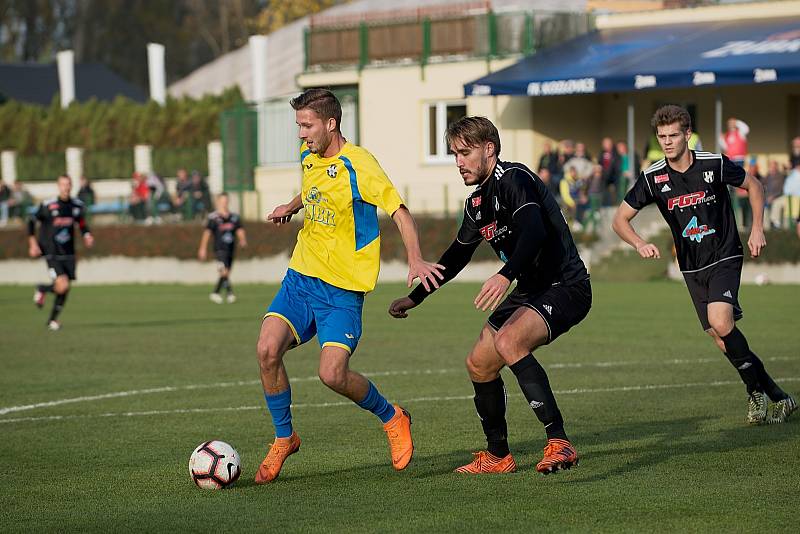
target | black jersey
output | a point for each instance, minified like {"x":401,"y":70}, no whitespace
{"x":223,"y":227}
{"x":696,"y":205}
{"x":57,"y":220}
{"x":489,"y":214}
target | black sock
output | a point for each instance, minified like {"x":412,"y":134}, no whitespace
{"x":45,"y":288}
{"x":220,"y":282}
{"x":227,"y":285}
{"x":61,"y":298}
{"x":536,"y":388}
{"x":490,"y":401}
{"x":746,"y":363}
{"x":773,"y":390}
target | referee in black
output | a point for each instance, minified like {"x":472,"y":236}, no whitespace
{"x":690,"y":189}
{"x":513,"y":211}
{"x":57,"y":219}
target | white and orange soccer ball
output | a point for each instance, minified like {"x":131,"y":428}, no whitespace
{"x":214,"y":465}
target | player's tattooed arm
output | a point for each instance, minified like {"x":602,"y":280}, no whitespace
{"x":622,"y":226}
{"x":283,"y":213}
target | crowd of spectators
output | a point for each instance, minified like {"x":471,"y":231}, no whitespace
{"x":581,"y":183}
{"x":151,"y":201}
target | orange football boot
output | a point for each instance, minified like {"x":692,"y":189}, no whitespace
{"x":280,"y":449}
{"x":398,"y":430}
{"x":558,"y":454}
{"x":486,"y":462}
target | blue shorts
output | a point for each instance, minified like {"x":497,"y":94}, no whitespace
{"x":313,"y":307}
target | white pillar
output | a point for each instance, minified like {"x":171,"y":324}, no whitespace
{"x":632,"y":141}
{"x":74,"y":156}
{"x":215,"y":182}
{"x":8,"y":166}
{"x":143,"y":159}
{"x":156,"y":72}
{"x":66,"y":76}
{"x":258,"y":66}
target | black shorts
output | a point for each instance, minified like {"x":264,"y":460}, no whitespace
{"x":224,"y":258}
{"x":718,"y":283}
{"x":60,"y":265}
{"x":561,"y":306}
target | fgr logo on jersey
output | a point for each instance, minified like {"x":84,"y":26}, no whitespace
{"x":489,"y":231}
{"x":684,"y":201}
{"x":696,"y":232}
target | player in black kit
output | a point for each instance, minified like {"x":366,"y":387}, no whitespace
{"x":57,"y":218}
{"x":226,"y":227}
{"x":690,"y":189}
{"x":516,"y":214}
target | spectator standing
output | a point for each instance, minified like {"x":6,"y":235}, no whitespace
{"x":734,"y":141}
{"x":20,"y":201}
{"x":182,"y":188}
{"x":140,"y":194}
{"x":200,"y":195}
{"x":551,"y":160}
{"x":794,"y":154}
{"x":791,"y":192}
{"x":773,"y":193}
{"x":5,"y":195}
{"x":609,"y":161}
{"x":86,"y":192}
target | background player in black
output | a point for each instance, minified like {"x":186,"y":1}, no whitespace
{"x":226,"y":227}
{"x":516,"y":214}
{"x":57,"y":218}
{"x":690,"y":190}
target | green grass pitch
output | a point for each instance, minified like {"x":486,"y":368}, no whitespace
{"x":98,"y":420}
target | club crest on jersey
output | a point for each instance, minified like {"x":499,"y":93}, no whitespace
{"x":476,"y":201}
{"x":488,"y":231}
{"x":332,"y":170}
{"x":696,"y":232}
{"x":708,"y":176}
{"x":314,"y":196}
{"x":661,"y":178}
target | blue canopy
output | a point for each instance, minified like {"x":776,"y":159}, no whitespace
{"x":655,"y":57}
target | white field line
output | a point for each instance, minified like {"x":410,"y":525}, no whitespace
{"x":576,"y":391}
{"x":215,"y":385}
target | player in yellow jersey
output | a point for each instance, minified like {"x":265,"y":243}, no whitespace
{"x":334,"y":263}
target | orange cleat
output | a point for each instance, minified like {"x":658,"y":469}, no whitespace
{"x":280,"y":449}
{"x":558,"y":454}
{"x":486,"y":462}
{"x":398,"y":430}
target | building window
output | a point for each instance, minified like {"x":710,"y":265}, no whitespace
{"x":438,"y":116}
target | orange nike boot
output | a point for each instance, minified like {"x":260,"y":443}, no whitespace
{"x":280,"y":449}
{"x":398,"y":430}
{"x":486,"y":462}
{"x":558,"y":454}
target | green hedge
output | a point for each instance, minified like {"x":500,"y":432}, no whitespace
{"x":264,"y":239}
{"x":166,"y":161}
{"x":120,"y":124}
{"x":41,"y":167}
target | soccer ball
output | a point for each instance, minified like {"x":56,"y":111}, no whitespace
{"x":761,"y":279}
{"x":214,"y":465}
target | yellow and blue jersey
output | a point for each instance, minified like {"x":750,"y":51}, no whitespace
{"x":340,"y":241}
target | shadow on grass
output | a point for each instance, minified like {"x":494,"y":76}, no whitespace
{"x":666,"y":440}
